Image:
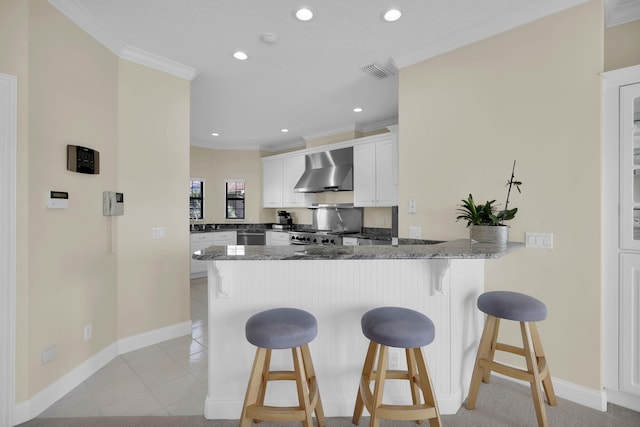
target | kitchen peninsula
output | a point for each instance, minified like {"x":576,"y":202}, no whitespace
{"x":337,"y":284}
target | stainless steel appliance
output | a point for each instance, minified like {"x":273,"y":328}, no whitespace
{"x":329,"y":223}
{"x":251,"y":237}
{"x":312,"y":237}
{"x":284,"y":218}
{"x":327,"y":171}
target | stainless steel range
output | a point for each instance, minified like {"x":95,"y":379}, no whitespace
{"x":316,"y":237}
{"x":330,"y":223}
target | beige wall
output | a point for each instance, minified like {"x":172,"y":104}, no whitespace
{"x":72,"y":273}
{"x":76,"y":266}
{"x":153,"y":173}
{"x":217,"y":165}
{"x":531,"y":94}
{"x":622,"y":46}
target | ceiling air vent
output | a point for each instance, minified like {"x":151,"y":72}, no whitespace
{"x":379,"y":71}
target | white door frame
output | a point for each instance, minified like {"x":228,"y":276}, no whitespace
{"x":8,"y":166}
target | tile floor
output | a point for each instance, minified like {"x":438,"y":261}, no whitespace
{"x":169,"y":378}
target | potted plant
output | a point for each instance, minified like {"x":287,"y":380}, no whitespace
{"x":485,"y":221}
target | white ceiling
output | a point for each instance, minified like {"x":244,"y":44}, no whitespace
{"x":310,"y":80}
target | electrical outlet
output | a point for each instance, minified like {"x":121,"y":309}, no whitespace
{"x":415,"y":232}
{"x":49,"y":354}
{"x":88,"y":332}
{"x":412,"y":206}
{"x":394,"y":359}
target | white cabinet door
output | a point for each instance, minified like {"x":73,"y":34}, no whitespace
{"x":224,"y":238}
{"x":375,"y":173}
{"x":199,"y":241}
{"x":386,"y":173}
{"x":629,"y":332}
{"x":629,"y":167}
{"x":276,"y":238}
{"x":364,"y":175}
{"x":272,"y":182}
{"x":293,"y":168}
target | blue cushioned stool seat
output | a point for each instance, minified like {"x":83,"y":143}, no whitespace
{"x":512,"y":306}
{"x":281,"y":328}
{"x":401,"y":328}
{"x":398,"y":327}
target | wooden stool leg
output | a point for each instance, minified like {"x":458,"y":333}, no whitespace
{"x":484,"y":349}
{"x":492,"y":349}
{"x":312,"y":382}
{"x":532,"y":367}
{"x":412,"y":371}
{"x":542,"y":360}
{"x":365,"y":380}
{"x":302,"y":386}
{"x":263,"y":385}
{"x":427,"y":386}
{"x":378,"y":389}
{"x":253,"y":388}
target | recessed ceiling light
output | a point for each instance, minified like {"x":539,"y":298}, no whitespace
{"x":304,"y":14}
{"x":392,"y":15}
{"x":357,"y":110}
{"x":215,"y":134}
{"x":284,"y":130}
{"x":240,"y":55}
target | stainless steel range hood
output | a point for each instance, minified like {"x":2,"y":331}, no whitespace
{"x":327,"y":171}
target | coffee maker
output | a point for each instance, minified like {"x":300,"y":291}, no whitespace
{"x":284,"y":218}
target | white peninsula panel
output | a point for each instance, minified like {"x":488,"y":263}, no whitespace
{"x":338,"y":292}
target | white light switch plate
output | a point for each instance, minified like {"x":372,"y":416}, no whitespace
{"x":538,"y":240}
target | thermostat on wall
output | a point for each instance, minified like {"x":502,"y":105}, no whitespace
{"x":83,"y":159}
{"x":58,"y":200}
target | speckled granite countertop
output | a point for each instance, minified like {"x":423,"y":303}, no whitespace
{"x":456,"y":249}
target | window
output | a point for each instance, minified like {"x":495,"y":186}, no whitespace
{"x":234,"y":194}
{"x":196,"y":198}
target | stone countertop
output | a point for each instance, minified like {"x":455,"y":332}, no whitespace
{"x":455,"y":249}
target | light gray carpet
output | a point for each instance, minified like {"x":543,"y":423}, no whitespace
{"x":501,"y":403}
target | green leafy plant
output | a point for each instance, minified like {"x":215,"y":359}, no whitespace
{"x":487,"y":213}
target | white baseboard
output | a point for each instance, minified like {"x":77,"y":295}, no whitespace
{"x":594,"y":399}
{"x":623,"y":399}
{"x":24,"y":411}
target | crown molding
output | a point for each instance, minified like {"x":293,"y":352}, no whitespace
{"x":618,"y":12}
{"x":80,"y":16}
{"x":298,"y":143}
{"x":380,"y":124}
{"x":159,"y":63}
{"x":489,"y":28}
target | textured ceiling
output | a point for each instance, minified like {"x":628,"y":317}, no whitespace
{"x":310,"y":80}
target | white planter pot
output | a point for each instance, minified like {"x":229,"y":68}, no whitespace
{"x":497,"y":234}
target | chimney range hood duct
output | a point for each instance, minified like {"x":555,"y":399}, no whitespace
{"x":327,"y":171}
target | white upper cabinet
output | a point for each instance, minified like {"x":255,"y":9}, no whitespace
{"x":375,"y":173}
{"x":279,"y":177}
{"x":272,"y":175}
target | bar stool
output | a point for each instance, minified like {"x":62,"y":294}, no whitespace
{"x":282,"y":328}
{"x":526,"y":310}
{"x":402,"y":328}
